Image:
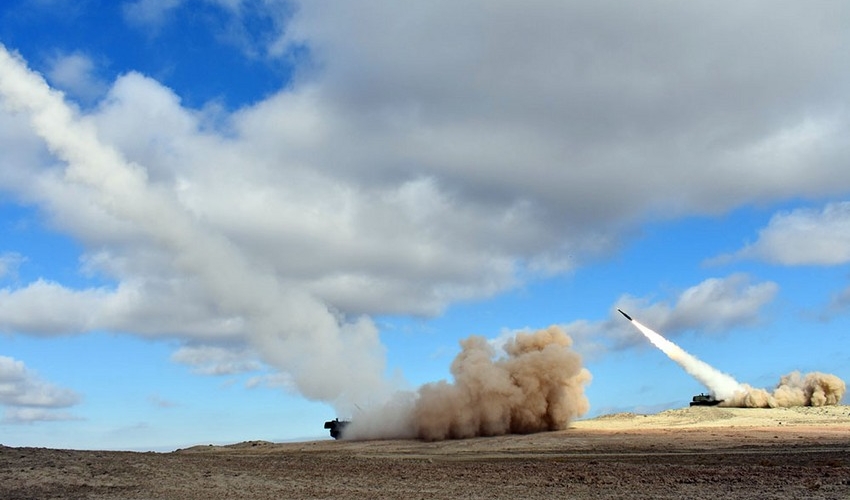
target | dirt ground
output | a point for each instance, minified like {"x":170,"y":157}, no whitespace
{"x":697,"y":453}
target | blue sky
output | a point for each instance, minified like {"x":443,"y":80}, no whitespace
{"x":226,"y":220}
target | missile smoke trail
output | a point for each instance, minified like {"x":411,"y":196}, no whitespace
{"x":721,"y":385}
{"x":794,"y":389}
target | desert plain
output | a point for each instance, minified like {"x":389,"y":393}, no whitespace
{"x":695,"y":453}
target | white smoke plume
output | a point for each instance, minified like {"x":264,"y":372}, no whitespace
{"x":538,"y":386}
{"x":721,"y":385}
{"x":794,"y":389}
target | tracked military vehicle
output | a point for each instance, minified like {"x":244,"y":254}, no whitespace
{"x":336,"y":426}
{"x":705,"y":400}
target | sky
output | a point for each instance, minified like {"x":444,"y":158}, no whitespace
{"x":227,"y":220}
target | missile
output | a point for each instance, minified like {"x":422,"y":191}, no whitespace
{"x":624,"y":314}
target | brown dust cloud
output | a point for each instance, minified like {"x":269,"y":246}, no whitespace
{"x":794,"y":389}
{"x":537,"y":385}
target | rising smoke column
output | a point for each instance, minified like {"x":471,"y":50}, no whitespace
{"x":794,"y":389}
{"x":538,"y":386}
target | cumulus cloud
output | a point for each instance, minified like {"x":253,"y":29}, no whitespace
{"x":75,"y":74}
{"x":401,"y":184}
{"x":714,"y":305}
{"x":27,"y":397}
{"x":615,"y":119}
{"x":253,"y":27}
{"x":46,"y":308}
{"x":281,"y":381}
{"x":32,"y":415}
{"x":804,"y":236}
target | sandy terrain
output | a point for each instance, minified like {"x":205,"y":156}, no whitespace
{"x":688,"y":453}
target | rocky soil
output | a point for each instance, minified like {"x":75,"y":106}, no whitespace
{"x":700,"y":453}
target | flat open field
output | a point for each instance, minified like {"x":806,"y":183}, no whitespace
{"x":688,"y":453}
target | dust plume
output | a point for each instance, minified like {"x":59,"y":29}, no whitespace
{"x":794,"y":389}
{"x":537,"y":386}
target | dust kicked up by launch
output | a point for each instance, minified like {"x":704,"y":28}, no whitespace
{"x":537,"y":386}
{"x":794,"y":389}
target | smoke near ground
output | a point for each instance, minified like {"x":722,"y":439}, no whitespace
{"x":537,"y":386}
{"x":721,"y":385}
{"x":794,"y":389}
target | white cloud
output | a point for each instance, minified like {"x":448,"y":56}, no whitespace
{"x":273,"y":380}
{"x":715,"y":305}
{"x":76,"y":75}
{"x":804,"y":236}
{"x":27,"y":397}
{"x":145,"y":308}
{"x":252,"y":27}
{"x":149,"y":12}
{"x":32,"y":415}
{"x":215,"y":360}
{"x":417,"y":188}
{"x":590,"y":112}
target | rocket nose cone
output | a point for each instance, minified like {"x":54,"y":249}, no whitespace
{"x":624,"y":314}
